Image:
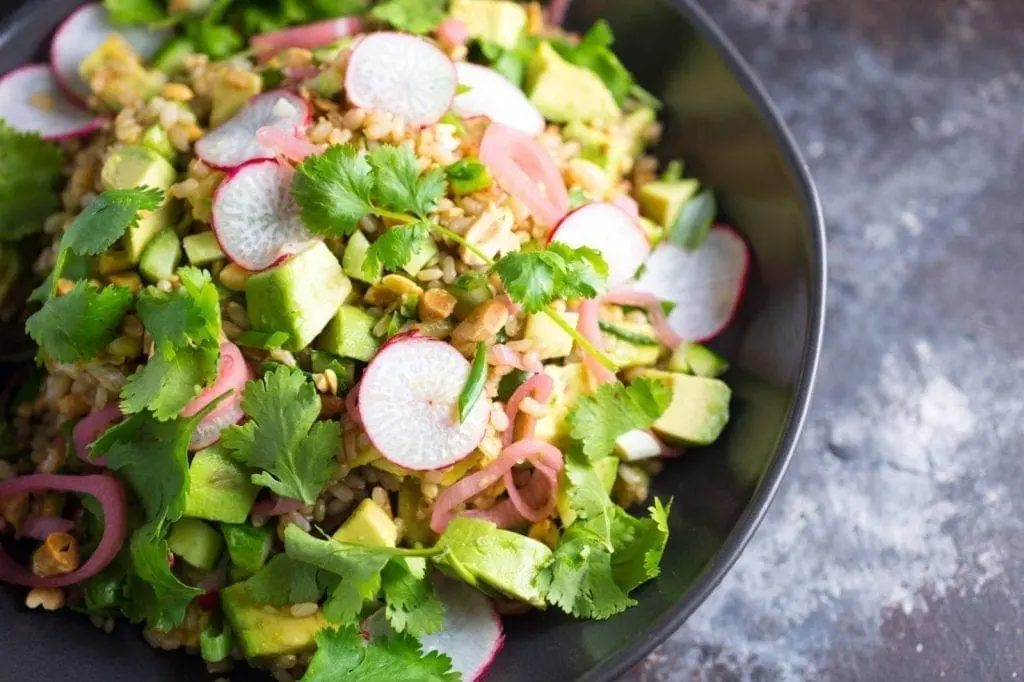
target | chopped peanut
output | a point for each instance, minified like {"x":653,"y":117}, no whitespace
{"x":50,"y":598}
{"x":379,"y":295}
{"x":58,"y":555}
{"x":401,"y":285}
{"x":436,"y":304}
{"x":331,"y":406}
{"x":178,"y":92}
{"x":234,"y":277}
{"x":14,"y":509}
{"x":483,"y":323}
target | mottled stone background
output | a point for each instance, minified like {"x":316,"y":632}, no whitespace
{"x":895,"y":551}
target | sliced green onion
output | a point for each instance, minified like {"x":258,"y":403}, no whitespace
{"x":468,"y":175}
{"x":268,"y":341}
{"x":694,"y":221}
{"x":626,"y":335}
{"x":215,"y":646}
{"x":474,"y":383}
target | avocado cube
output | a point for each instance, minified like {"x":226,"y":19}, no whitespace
{"x":693,"y":358}
{"x":368,"y":525}
{"x":248,"y":546}
{"x":662,"y":200}
{"x":118,"y":72}
{"x":161,"y":256}
{"x":157,"y":139}
{"x":550,"y":340}
{"x":234,"y":88}
{"x":349,"y":334}
{"x":571,"y":382}
{"x":198,"y":543}
{"x":420,"y":257}
{"x":493,"y":21}
{"x":564,"y":92}
{"x":137,"y":166}
{"x":202,"y":248}
{"x":219,"y":488}
{"x":654,"y":232}
{"x":626,"y":353}
{"x":268,"y":633}
{"x":354,"y":257}
{"x":607,"y":469}
{"x":298,"y":297}
{"x":699,"y":409}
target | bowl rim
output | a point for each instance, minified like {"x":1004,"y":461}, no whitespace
{"x":659,"y":630}
{"x":662,"y":628}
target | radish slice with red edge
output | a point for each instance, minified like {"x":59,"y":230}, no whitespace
{"x":471,"y":635}
{"x":107,"y":490}
{"x":232,"y":375}
{"x":408,"y":400}
{"x":255,"y":217}
{"x":91,"y":427}
{"x":83,"y":32}
{"x":525,"y":170}
{"x":610,"y":230}
{"x":492,"y":95}
{"x":308,"y":37}
{"x":706,"y":285}
{"x":402,"y":75}
{"x":31,"y":102}
{"x":234,"y":142}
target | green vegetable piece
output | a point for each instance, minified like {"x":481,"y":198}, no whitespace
{"x":598,"y":420}
{"x":474,"y":382}
{"x":170,"y":58}
{"x":468,"y":175}
{"x":134,"y":11}
{"x":368,"y":525}
{"x":344,"y":654}
{"x":298,"y":297}
{"x":469,"y":290}
{"x":692,"y":226}
{"x":605,"y":470}
{"x":564,"y":92}
{"x":628,"y":332}
{"x":355,"y":256}
{"x":215,"y":645}
{"x":135,"y":166}
{"x":232,"y":92}
{"x":198,"y":543}
{"x":411,"y":16}
{"x":630,"y":345}
{"x":662,"y":200}
{"x":549,"y":339}
{"x":693,"y":358}
{"x":345,"y":370}
{"x":424,"y":251}
{"x":479,"y":553}
{"x":161,"y":257}
{"x":349,"y":334}
{"x":253,"y":339}
{"x":699,"y":409}
{"x":510,"y":382}
{"x":216,"y":40}
{"x":29,"y":184}
{"x":219,"y":488}
{"x":155,"y":593}
{"x":264,"y":635}
{"x":202,"y":248}
{"x":495,"y":21}
{"x":79,"y":324}
{"x":248,"y":547}
{"x":157,"y":139}
{"x":126,"y":81}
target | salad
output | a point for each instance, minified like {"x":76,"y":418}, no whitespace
{"x":357,"y":327}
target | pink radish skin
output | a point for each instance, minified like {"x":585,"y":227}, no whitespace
{"x":707,"y":285}
{"x":402,"y":75}
{"x":408,"y":400}
{"x":85,"y":30}
{"x":255,"y":217}
{"x":234,"y":142}
{"x":494,"y":96}
{"x":308,"y":37}
{"x":610,"y":230}
{"x":31,"y":102}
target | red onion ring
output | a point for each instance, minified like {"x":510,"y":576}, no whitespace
{"x":525,"y":170}
{"x":90,"y":428}
{"x":41,"y":526}
{"x":289,"y":146}
{"x":539,"y":386}
{"x":275,"y":505}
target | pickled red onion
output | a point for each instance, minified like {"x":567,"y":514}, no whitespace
{"x":541,"y":475}
{"x":309,"y":37}
{"x":90,"y":428}
{"x":288,"y":146}
{"x":501,"y":355}
{"x":275,"y":505}
{"x":526,"y":171}
{"x":41,"y":526}
{"x":539,"y":386}
{"x":588,"y":327}
{"x":657,"y":316}
{"x":453,"y":32}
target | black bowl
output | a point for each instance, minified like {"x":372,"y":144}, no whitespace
{"x":720,"y":120}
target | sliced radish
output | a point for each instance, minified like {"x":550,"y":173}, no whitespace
{"x":610,"y":230}
{"x":232,"y":375}
{"x":308,"y":37}
{"x":496,"y":97}
{"x":471,"y":635}
{"x":402,"y":75}
{"x":83,"y":32}
{"x":525,"y":170}
{"x":255,"y":217}
{"x":234,"y":142}
{"x":408,"y":401}
{"x":706,"y":285}
{"x":31,"y":102}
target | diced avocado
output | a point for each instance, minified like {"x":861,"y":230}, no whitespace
{"x":630,"y":345}
{"x":327,"y":83}
{"x":198,"y":543}
{"x":550,"y":340}
{"x":699,"y":409}
{"x":264,"y":633}
{"x":137,"y":166}
{"x":662,"y":200}
{"x":354,"y":257}
{"x":219,"y":488}
{"x":248,"y":546}
{"x":633,"y":129}
{"x":693,"y":358}
{"x":493,"y":21}
{"x":480,"y":554}
{"x":299,"y":297}
{"x":161,"y":256}
{"x":114,"y":261}
{"x":564,"y":92}
{"x":654,"y":232}
{"x":170,"y":58}
{"x":607,"y":469}
{"x":570,"y":383}
{"x":344,"y":370}
{"x":368,"y":525}
{"x":233,"y":91}
{"x":116,"y":75}
{"x":157,"y":139}
{"x":424,"y":253}
{"x":202,"y":248}
{"x":636,"y":445}
{"x":350,"y":334}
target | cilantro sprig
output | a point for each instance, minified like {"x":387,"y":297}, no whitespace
{"x":343,"y":654}
{"x":615,"y":409}
{"x":79,"y":324}
{"x":29,"y":183}
{"x":411,"y":16}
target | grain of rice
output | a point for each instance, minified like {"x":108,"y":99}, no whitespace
{"x":499,"y":420}
{"x":283,"y":356}
{"x":532,"y":407}
{"x":430,"y":274}
{"x":490,"y":447}
{"x":448,"y":268}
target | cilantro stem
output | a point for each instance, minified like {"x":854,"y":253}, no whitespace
{"x":404,"y":218}
{"x":581,"y":341}
{"x":461,"y":241}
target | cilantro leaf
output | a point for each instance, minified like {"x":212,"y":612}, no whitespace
{"x":79,"y":324}
{"x":693,"y":224}
{"x":535,"y":278}
{"x":343,"y":654}
{"x":155,"y":594}
{"x":398,"y":184}
{"x":333,"y":190}
{"x":395,"y":248}
{"x":594,"y":53}
{"x":599,"y":419}
{"x":135,"y":11}
{"x":411,"y":16}
{"x":586,"y":273}
{"x":579,"y":579}
{"x":166,"y":385}
{"x":108,"y":217}
{"x":285,"y":580}
{"x":642,"y":542}
{"x":70,"y":266}
{"x":283,"y":436}
{"x":410,"y":602}
{"x":29,"y":182}
{"x":586,"y":495}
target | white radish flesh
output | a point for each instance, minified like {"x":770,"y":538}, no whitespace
{"x":408,"y":400}
{"x":402,"y":75}
{"x":31,"y":102}
{"x":610,"y":230}
{"x":706,"y":285}
{"x":83,"y":32}
{"x":492,"y":95}
{"x":255,"y":217}
{"x":235,"y":142}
